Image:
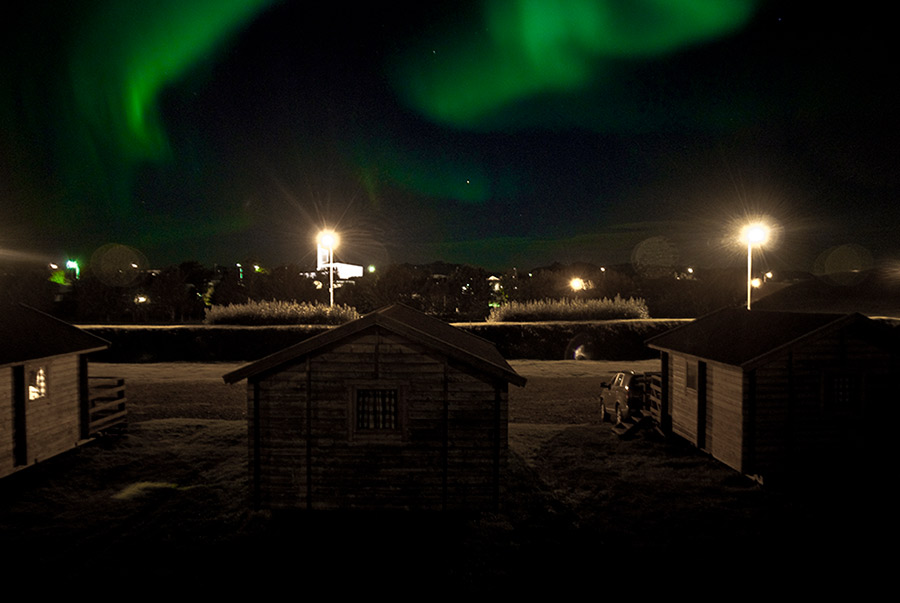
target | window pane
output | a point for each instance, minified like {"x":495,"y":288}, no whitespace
{"x":37,"y":384}
{"x":691,"y":377}
{"x":376,"y":409}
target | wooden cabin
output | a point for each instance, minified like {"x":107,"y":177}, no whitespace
{"x":44,"y":393}
{"x":776,"y":393}
{"x":393,"y":410}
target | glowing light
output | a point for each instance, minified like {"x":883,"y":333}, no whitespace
{"x":527,"y":50}
{"x":125,"y":53}
{"x":328,"y":240}
{"x":577,"y":284}
{"x":73,"y":265}
{"x":756,"y":283}
{"x":756,"y":233}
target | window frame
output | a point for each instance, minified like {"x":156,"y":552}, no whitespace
{"x":691,"y":374}
{"x":37,"y":386}
{"x":398,"y":433}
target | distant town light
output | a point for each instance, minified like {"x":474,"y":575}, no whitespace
{"x":73,"y":265}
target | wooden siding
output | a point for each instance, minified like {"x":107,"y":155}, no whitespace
{"x":723,"y":428}
{"x":7,"y":441}
{"x":304,"y":453}
{"x":807,"y":406}
{"x":797,"y":421}
{"x":52,"y":423}
{"x":683,"y":400}
{"x":724,"y":439}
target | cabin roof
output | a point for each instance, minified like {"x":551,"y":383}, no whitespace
{"x":402,"y":320}
{"x":29,"y":334}
{"x":741,"y":337}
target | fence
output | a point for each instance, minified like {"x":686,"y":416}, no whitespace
{"x":106,"y":407}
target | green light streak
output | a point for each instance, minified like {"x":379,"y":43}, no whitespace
{"x":529,"y":48}
{"x":125,"y":54}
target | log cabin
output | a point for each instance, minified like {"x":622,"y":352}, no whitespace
{"x":44,"y":393}
{"x":776,"y":394}
{"x":396,"y":409}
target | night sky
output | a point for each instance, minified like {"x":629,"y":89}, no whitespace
{"x":502,"y":133}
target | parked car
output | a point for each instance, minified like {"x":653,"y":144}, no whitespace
{"x":624,"y":396}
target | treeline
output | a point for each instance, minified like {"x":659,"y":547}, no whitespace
{"x":184,"y":292}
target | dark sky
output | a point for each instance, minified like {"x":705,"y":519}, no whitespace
{"x":498,"y":133}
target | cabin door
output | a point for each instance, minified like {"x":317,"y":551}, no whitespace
{"x":20,"y":448}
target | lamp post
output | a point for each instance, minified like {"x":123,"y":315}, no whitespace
{"x":328,"y":239}
{"x":753,"y":234}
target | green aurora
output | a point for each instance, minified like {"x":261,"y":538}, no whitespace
{"x":181,"y":128}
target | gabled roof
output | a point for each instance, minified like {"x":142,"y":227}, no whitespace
{"x":402,"y":320}
{"x":29,"y":334}
{"x":741,"y":337}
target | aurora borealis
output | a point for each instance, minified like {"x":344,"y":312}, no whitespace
{"x":500,"y":133}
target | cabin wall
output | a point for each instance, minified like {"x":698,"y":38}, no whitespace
{"x":306,"y":453}
{"x":717,"y":427}
{"x":7,"y":462}
{"x":52,"y":421}
{"x":725,"y":415}
{"x":811,"y":402}
{"x":682,"y":399}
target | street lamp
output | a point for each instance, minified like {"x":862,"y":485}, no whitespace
{"x":328,"y":239}
{"x":753,"y":234}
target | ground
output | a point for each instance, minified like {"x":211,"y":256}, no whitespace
{"x":583,"y":507}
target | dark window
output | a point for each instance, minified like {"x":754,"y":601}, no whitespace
{"x":377,"y":409}
{"x":691,"y":375}
{"x":842,"y":394}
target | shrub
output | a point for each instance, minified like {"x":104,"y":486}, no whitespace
{"x":570,"y":309}
{"x":279,"y":313}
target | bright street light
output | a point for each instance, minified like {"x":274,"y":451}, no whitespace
{"x":753,"y":234}
{"x":328,"y":239}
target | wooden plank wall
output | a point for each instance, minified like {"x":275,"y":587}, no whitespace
{"x":724,"y":430}
{"x":683,"y":400}
{"x":309,"y":456}
{"x":794,"y":425}
{"x":7,"y":460}
{"x":724,"y":420}
{"x":52,"y":422}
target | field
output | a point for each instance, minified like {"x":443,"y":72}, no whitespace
{"x":168,"y":501}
